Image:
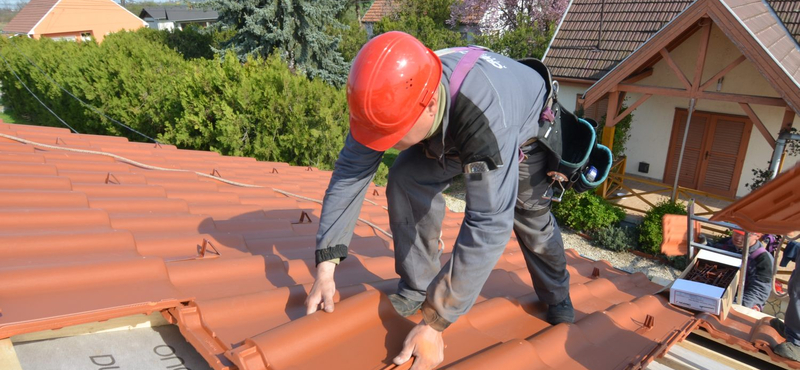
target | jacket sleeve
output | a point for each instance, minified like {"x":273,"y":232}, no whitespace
{"x":757,"y":287}
{"x":341,"y":206}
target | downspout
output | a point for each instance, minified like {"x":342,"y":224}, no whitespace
{"x":780,"y":145}
{"x":683,"y":148}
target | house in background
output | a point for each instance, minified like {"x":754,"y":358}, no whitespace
{"x":383,"y":8}
{"x":72,"y":20}
{"x":169,"y":18}
{"x":732,"y":65}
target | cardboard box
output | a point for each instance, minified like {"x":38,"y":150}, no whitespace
{"x":706,"y":297}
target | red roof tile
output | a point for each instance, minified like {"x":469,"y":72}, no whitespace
{"x":88,"y":237}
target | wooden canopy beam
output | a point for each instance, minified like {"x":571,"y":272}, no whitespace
{"x":723,"y":72}
{"x":788,"y":119}
{"x":681,"y":93}
{"x":701,"y":54}
{"x":675,"y":69}
{"x":611,"y":112}
{"x":630,"y":109}
{"x":757,"y":122}
{"x":639,"y":76}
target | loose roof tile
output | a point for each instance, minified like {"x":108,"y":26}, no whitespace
{"x":88,"y":238}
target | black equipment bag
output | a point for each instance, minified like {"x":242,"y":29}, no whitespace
{"x":571,"y":142}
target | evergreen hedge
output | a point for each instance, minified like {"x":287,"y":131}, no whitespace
{"x":256,"y":108}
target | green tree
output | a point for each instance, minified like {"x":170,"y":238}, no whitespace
{"x":524,"y":41}
{"x":427,"y":20}
{"x":293,"y":29}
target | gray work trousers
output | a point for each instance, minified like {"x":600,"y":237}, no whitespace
{"x":416,"y":211}
{"x":792,"y":319}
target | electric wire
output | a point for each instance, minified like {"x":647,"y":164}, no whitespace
{"x":34,"y":95}
{"x":156,"y":168}
{"x":92,"y":108}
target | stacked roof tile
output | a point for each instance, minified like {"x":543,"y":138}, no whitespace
{"x":596,"y":35}
{"x":88,"y":237}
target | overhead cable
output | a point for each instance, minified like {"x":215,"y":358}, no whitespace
{"x":34,"y":95}
{"x":77,"y":98}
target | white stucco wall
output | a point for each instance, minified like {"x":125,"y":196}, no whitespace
{"x":652,"y":122}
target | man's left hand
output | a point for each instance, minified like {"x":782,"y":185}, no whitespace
{"x":425,"y":344}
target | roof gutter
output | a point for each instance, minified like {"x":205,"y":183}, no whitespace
{"x":563,"y":16}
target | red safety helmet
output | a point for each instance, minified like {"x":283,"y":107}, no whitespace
{"x":392,"y":80}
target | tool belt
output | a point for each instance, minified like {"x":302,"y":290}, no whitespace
{"x":571,"y":143}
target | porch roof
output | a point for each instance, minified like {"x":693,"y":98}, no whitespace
{"x":753,"y":27}
{"x":773,"y":208}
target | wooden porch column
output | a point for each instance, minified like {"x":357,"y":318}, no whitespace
{"x":608,"y":132}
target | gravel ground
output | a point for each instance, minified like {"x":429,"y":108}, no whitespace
{"x":622,"y":260}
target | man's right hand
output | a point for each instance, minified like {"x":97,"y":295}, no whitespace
{"x":323,"y":290}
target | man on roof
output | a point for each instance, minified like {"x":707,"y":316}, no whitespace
{"x":399,"y":95}
{"x":758,"y":276}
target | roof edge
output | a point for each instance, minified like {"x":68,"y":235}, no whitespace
{"x":558,"y":28}
{"x":129,"y":12}
{"x":684,"y":11}
{"x":764,"y":47}
{"x":30,"y":32}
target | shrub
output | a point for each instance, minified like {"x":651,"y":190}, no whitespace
{"x":586,"y":211}
{"x":614,"y":238}
{"x":650,"y":230}
{"x":258,"y":108}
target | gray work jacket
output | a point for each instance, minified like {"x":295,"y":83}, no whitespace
{"x":497,"y":110}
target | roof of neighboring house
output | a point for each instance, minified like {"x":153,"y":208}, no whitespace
{"x":596,"y":35}
{"x":178,"y":13}
{"x":789,"y":12}
{"x":756,"y":31}
{"x":29,"y":16}
{"x":89,"y":237}
{"x":382,"y":8}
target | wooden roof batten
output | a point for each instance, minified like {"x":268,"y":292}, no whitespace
{"x":698,"y":18}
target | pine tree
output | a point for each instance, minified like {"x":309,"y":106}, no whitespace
{"x":293,"y":28}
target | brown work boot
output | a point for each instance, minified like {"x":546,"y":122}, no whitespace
{"x":779,"y":326}
{"x":788,"y":350}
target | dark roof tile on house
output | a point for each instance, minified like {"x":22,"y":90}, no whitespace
{"x":88,"y":237}
{"x":594,"y":36}
{"x":382,"y":8}
{"x":178,"y":13}
{"x":789,"y":13}
{"x":29,"y":16}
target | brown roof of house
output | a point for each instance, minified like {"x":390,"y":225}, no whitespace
{"x":29,"y":16}
{"x":789,"y":13}
{"x":751,"y":26}
{"x":89,"y":237}
{"x":594,"y":36}
{"x":382,"y":8}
